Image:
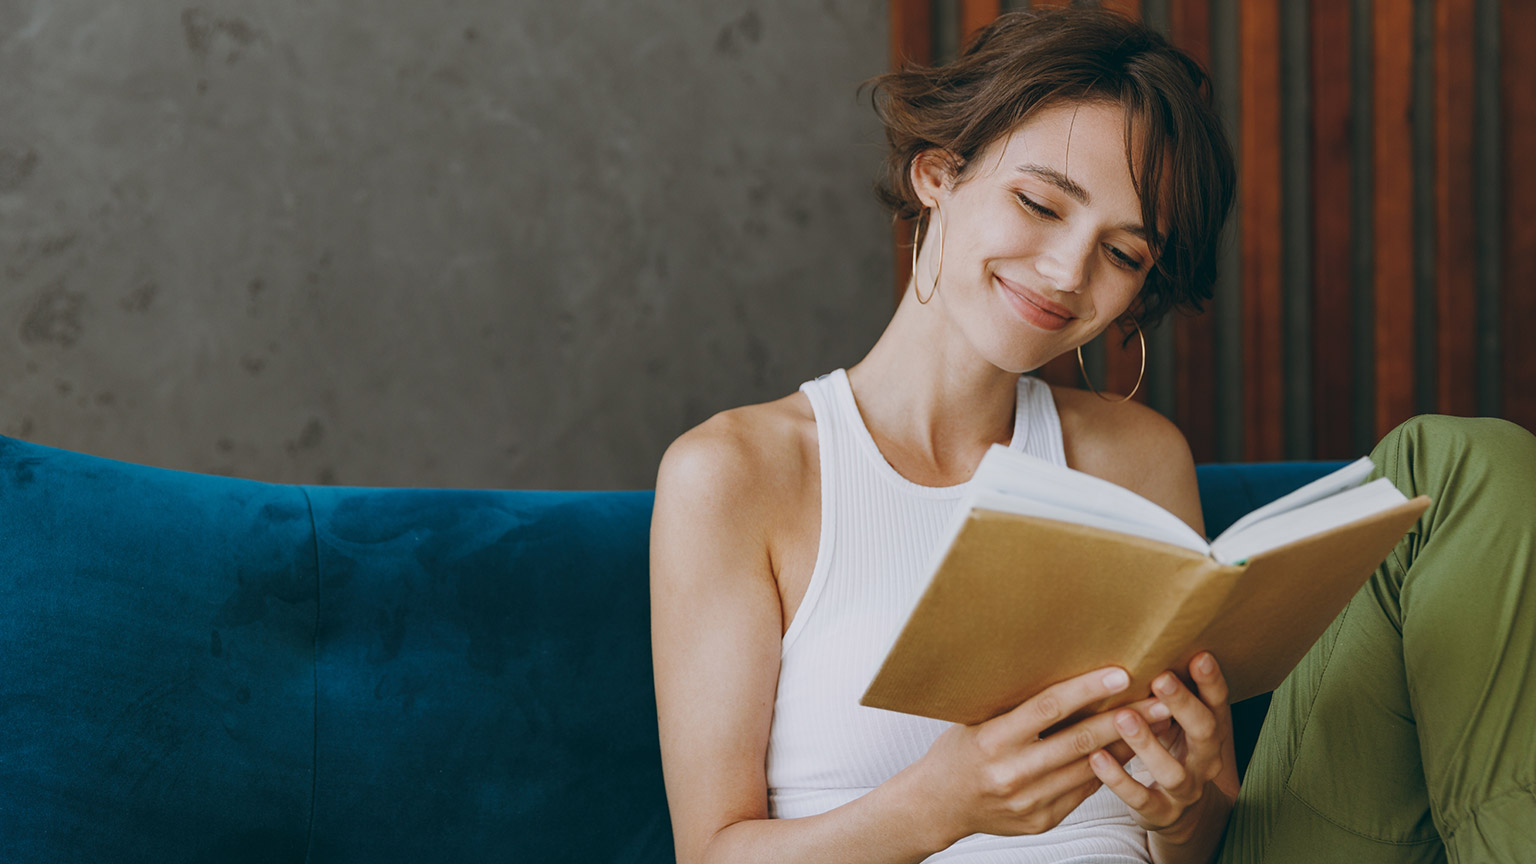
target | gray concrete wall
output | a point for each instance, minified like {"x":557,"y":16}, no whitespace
{"x":469,"y":243}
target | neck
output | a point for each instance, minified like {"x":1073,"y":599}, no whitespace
{"x":931,"y":402}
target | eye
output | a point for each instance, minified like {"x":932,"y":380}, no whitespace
{"x":1035,"y":207}
{"x":1123,"y":260}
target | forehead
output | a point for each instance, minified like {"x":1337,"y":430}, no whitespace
{"x":1083,"y":140}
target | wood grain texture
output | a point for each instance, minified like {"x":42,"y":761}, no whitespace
{"x":1455,"y":216}
{"x":1189,"y":26}
{"x":1392,"y":121}
{"x":1333,"y":325}
{"x":1259,"y":184}
{"x":911,"y":32}
{"x":1519,"y":281}
{"x":976,"y":14}
{"x":1129,"y":8}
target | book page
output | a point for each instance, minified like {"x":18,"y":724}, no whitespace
{"x":1000,"y":503}
{"x":1349,"y":476}
{"x":1058,"y":492}
{"x":1346,"y":507}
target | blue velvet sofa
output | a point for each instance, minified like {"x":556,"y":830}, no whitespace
{"x":204,"y":669}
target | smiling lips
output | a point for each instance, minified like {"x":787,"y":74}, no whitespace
{"x":1033,"y":308}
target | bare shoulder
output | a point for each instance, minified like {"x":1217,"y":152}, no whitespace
{"x":742,"y":449}
{"x":1130,"y":445}
{"x":740,"y":469}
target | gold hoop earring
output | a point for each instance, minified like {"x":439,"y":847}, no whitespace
{"x":916,"y":232}
{"x":1139,"y":375}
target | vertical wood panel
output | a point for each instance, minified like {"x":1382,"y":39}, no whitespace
{"x":1123,"y":359}
{"x":1394,"y":247}
{"x":1455,"y":219}
{"x":1332,"y":238}
{"x":1263,"y":314}
{"x":1131,"y":8}
{"x":1519,"y":286}
{"x":911,"y":42}
{"x":976,"y":14}
{"x":911,"y":32}
{"x":1189,"y":26}
{"x":1062,"y":371}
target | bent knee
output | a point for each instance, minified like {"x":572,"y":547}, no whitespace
{"x":1435,"y":454}
{"x":1487,"y":438}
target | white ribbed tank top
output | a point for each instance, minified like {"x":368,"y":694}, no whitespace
{"x":878,"y":530}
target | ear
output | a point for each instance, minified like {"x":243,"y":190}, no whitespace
{"x":933,"y":174}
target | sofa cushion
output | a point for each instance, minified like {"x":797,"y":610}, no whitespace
{"x":156,"y":663}
{"x":485,"y":678}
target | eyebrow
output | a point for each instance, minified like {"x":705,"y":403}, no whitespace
{"x":1079,"y":194}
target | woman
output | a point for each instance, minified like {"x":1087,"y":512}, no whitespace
{"x":1069,"y":174}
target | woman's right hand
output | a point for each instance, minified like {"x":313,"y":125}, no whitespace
{"x":1002,"y":777}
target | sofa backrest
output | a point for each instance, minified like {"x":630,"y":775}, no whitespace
{"x":205,"y":669}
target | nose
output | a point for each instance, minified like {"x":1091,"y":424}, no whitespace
{"x":1063,"y":263}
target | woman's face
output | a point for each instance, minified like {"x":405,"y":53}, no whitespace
{"x":1043,"y":241}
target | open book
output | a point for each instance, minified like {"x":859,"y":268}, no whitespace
{"x":1047,"y":572}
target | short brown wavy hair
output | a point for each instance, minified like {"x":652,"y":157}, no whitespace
{"x":1026,"y":61}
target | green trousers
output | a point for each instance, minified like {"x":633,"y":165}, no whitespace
{"x":1408,"y":732}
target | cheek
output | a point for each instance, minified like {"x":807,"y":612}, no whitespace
{"x":1125,"y":292}
{"x":997,"y":236}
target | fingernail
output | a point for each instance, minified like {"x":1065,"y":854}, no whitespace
{"x":1159,"y":711}
{"x":1206,"y":664}
{"x":1164,"y":685}
{"x":1116,"y":680}
{"x":1125,"y":721}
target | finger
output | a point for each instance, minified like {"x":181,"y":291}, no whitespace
{"x":1162,"y":725}
{"x":1136,"y":796}
{"x":1121,"y":751}
{"x":1208,"y":678}
{"x":1194,"y":716}
{"x":1086,"y":736}
{"x":1165,"y":769}
{"x":1038,"y":794}
{"x":1060,"y":701}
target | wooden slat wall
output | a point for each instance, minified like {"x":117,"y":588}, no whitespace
{"x":1333,"y":324}
{"x":1348,"y":184}
{"x":1394,"y":240}
{"x":1455,"y":217}
{"x":976,"y":14}
{"x":1519,"y":283}
{"x":1259,"y":209}
{"x":1189,"y":26}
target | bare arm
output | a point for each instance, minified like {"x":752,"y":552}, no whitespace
{"x":716,"y":628}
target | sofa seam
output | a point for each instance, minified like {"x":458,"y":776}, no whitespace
{"x":314,"y":764}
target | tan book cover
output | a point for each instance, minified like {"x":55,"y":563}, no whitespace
{"x":1021,"y":602}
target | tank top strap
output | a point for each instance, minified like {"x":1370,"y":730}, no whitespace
{"x":1036,"y":425}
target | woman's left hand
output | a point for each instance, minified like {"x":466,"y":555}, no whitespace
{"x":1189,"y":766}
